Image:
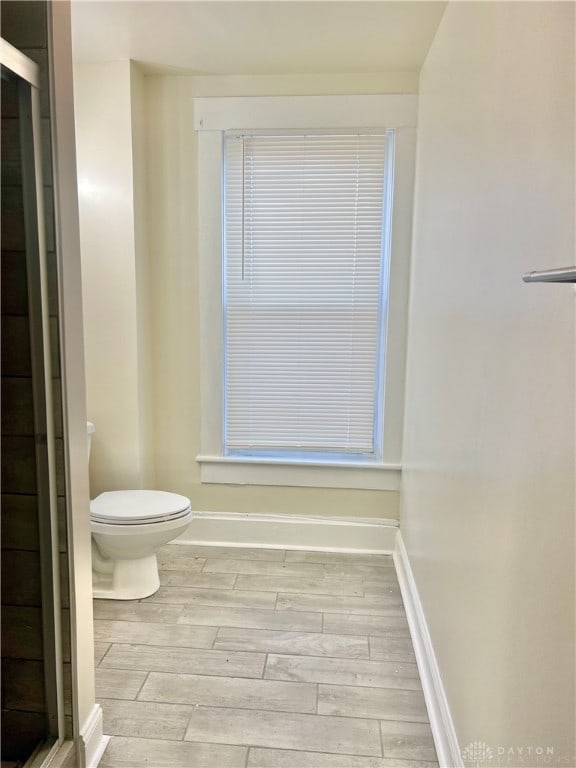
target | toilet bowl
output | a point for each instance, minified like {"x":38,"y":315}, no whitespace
{"x":127,"y":528}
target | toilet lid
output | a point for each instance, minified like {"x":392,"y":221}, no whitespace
{"x":133,"y":507}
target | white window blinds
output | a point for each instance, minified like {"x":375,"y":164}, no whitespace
{"x":304,"y":246}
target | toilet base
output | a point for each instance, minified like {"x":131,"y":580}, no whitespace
{"x":128,"y":580}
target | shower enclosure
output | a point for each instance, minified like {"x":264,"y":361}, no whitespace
{"x":33,"y":720}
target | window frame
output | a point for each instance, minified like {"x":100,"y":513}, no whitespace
{"x":213,"y":117}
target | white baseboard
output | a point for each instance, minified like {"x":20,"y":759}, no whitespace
{"x":92,"y":739}
{"x":322,"y":534}
{"x":443,"y":730}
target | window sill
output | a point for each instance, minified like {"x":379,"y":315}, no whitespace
{"x":313,"y":474}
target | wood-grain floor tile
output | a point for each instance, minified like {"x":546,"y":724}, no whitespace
{"x":144,"y":633}
{"x":318,"y":586}
{"x":252,"y":618}
{"x":100,"y":650}
{"x":352,"y":624}
{"x":264,"y":568}
{"x":190,"y":661}
{"x":330,"y":558}
{"x":381,"y":588}
{"x":118,"y":683}
{"x":407,"y":741}
{"x":305,"y":643}
{"x":252,"y":658}
{"x":367,"y":606}
{"x":284,"y":730}
{"x":356,"y":672}
{"x":354,"y":570}
{"x":231,"y":598}
{"x":130,"y":610}
{"x":230,"y":553}
{"x":145,"y":719}
{"x":178,"y":557}
{"x":129,"y":752}
{"x":379,"y":703}
{"x":229,"y":692}
{"x":285,"y":758}
{"x":391,"y":648}
{"x":181,"y":578}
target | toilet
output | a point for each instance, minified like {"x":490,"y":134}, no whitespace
{"x":127,"y":529}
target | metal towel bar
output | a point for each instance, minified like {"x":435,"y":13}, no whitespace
{"x":565,"y":275}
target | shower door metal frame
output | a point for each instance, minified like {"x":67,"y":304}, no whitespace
{"x":26,"y":74}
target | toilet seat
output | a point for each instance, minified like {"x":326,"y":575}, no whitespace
{"x":138,"y":507}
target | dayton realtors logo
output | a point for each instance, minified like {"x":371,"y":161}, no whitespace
{"x":477,"y":753}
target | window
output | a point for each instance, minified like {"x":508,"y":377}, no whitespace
{"x":305,"y":218}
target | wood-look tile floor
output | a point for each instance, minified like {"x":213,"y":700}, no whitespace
{"x":253,"y":658}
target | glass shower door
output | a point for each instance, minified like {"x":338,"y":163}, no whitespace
{"x":32,"y":699}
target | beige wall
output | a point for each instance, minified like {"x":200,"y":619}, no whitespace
{"x":143,"y":286}
{"x":109,"y":127}
{"x":488,"y":490}
{"x":147,"y":414}
{"x":104,"y":153}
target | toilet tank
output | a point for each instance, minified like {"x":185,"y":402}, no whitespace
{"x":90,"y":429}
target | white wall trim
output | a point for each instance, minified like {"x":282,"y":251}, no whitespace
{"x":306,"y":112}
{"x":443,"y":730}
{"x":213,"y":116}
{"x":320,"y":534}
{"x":72,"y":370}
{"x":256,"y":471}
{"x":92,"y":739}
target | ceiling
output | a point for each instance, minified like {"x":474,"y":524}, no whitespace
{"x":255,"y":38}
